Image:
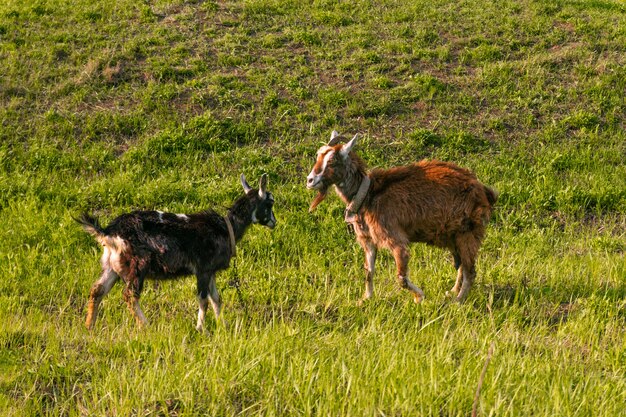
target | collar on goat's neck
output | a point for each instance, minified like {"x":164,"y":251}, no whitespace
{"x":238,"y":219}
{"x":231,"y":235}
{"x":357,"y":200}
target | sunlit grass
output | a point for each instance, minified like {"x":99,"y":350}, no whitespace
{"x":115,"y":106}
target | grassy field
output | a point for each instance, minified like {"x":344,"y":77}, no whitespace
{"x":109,"y":106}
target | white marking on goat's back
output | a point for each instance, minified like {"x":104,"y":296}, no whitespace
{"x":160,"y":215}
{"x":182,"y":216}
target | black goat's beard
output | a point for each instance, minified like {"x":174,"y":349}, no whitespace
{"x":321,"y":195}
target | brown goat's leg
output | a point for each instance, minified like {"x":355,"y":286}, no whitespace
{"x":99,"y":289}
{"x":401,"y":255}
{"x":132,"y":301}
{"x":459,"y":281}
{"x":467,"y":246}
{"x":459,"y":276}
{"x":370,"y":260}
{"x":469,"y":273}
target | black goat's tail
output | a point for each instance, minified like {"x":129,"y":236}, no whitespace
{"x":91,"y":225}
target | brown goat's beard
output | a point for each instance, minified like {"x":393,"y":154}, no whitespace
{"x":321,"y":195}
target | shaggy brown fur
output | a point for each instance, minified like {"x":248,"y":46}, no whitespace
{"x":435,"y":202}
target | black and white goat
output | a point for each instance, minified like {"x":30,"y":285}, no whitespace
{"x":158,"y":245}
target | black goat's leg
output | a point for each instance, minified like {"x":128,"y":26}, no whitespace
{"x":202,"y":282}
{"x":214,"y":297}
{"x":99,"y":289}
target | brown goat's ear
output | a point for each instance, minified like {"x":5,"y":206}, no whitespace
{"x":345,"y":149}
{"x":245,"y":185}
{"x":263,"y":186}
{"x":334,"y":138}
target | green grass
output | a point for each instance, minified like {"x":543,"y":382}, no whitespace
{"x":113,"y":106}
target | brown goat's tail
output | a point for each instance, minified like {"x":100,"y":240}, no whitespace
{"x":492,"y":195}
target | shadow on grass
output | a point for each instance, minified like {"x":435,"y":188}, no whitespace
{"x":553,"y":306}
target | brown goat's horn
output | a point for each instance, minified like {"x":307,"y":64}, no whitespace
{"x":345,"y":150}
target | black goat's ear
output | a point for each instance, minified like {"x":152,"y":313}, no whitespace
{"x":245,"y":185}
{"x":335,"y":138}
{"x":263,"y":186}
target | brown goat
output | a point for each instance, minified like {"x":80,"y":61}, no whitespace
{"x":438,"y":203}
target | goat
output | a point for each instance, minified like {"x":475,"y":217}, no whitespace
{"x":438,"y":203}
{"x":158,"y":245}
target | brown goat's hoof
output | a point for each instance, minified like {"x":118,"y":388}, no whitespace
{"x":89,"y":322}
